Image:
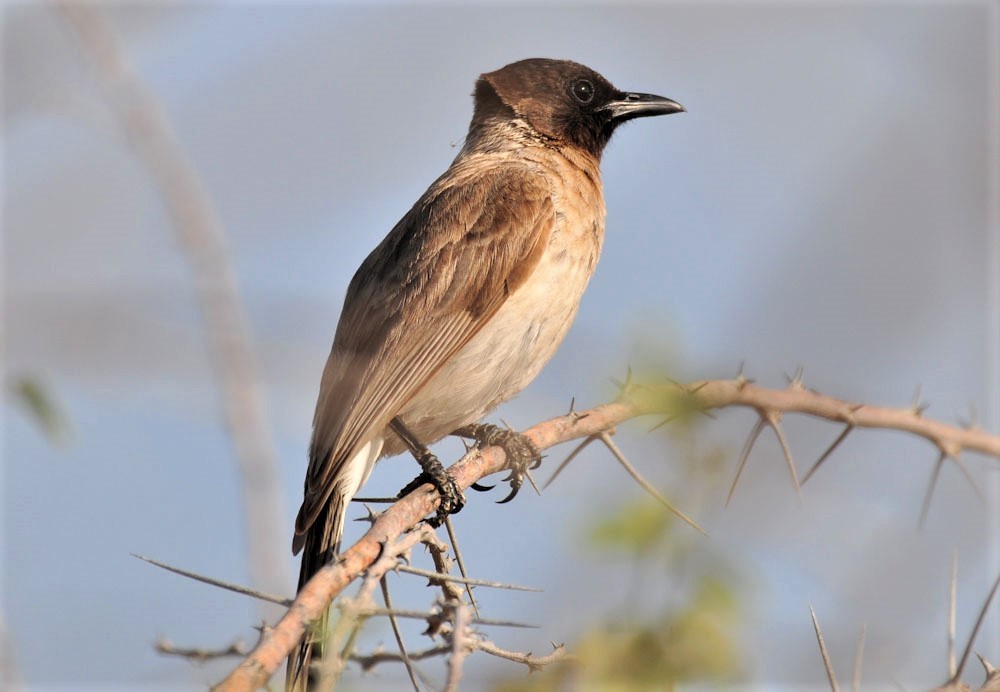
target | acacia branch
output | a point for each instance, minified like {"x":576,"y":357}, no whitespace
{"x":636,"y":400}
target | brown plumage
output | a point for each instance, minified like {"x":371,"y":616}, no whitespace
{"x":470,"y":294}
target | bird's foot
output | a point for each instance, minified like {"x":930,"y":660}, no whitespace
{"x":452,"y":498}
{"x":522,"y":454}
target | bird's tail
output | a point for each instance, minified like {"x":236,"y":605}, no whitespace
{"x":322,"y":543}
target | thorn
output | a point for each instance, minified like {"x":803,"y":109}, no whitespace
{"x":773,"y":419}
{"x":623,"y":386}
{"x":917,"y":407}
{"x":450,"y":527}
{"x":930,"y":490}
{"x":988,"y":668}
{"x":972,"y":423}
{"x":433,"y":577}
{"x":572,"y":407}
{"x":952,"y":592}
{"x":829,"y":450}
{"x":572,"y":455}
{"x":741,"y":379}
{"x":236,"y":588}
{"x":859,"y":653}
{"x":695,"y":390}
{"x":610,"y":444}
{"x":795,"y":381}
{"x":822,"y":650}
{"x":384,"y":583}
{"x":968,"y":476}
{"x":370,"y":518}
{"x":531,"y":480}
{"x":975,"y":631}
{"x":744,"y":455}
{"x":660,"y":424}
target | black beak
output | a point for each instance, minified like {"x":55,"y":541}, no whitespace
{"x":632,"y":105}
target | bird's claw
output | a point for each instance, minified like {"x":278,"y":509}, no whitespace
{"x":522,"y":454}
{"x":452,"y":498}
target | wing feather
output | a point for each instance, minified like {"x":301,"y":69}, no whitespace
{"x":420,"y":296}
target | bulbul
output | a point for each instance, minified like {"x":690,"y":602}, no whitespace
{"x":469,"y":295}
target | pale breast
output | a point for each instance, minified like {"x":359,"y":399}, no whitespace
{"x":511,"y":349}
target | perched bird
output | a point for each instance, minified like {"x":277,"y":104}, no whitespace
{"x":469,"y":295}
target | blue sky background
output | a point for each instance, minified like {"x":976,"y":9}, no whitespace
{"x":830,"y":200}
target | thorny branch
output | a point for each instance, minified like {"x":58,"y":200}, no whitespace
{"x":635,"y":400}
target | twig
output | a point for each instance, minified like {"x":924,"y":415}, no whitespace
{"x":460,"y":646}
{"x":354,"y":611}
{"x":534,"y":663}
{"x":369,"y":661}
{"x":431,"y":615}
{"x":165,"y":647}
{"x":442,"y":565}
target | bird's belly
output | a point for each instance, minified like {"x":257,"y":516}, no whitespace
{"x":510,"y":350}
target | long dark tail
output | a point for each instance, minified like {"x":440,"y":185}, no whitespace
{"x":322,"y":543}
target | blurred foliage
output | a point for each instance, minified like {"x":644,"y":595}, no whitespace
{"x":41,"y":407}
{"x":636,"y":528}
{"x":660,"y":645}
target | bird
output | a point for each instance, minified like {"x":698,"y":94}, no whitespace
{"x":468,"y":296}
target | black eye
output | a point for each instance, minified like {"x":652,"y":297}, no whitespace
{"x":583,"y":91}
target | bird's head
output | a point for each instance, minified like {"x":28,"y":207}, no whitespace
{"x":563,"y":101}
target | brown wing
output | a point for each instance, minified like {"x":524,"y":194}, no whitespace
{"x":429,"y":287}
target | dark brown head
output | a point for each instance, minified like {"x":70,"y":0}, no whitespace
{"x":562,"y":101}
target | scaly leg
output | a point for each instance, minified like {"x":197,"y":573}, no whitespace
{"x":452,"y":499}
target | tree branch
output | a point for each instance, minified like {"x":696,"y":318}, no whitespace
{"x":636,"y":400}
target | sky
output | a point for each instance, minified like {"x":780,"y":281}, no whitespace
{"x":829,"y":200}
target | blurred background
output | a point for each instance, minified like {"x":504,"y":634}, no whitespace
{"x":830,"y":200}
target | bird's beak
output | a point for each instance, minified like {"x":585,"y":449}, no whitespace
{"x":632,"y":105}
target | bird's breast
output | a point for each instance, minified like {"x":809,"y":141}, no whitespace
{"x":510,"y":349}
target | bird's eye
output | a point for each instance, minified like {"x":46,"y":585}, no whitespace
{"x":583,"y":91}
